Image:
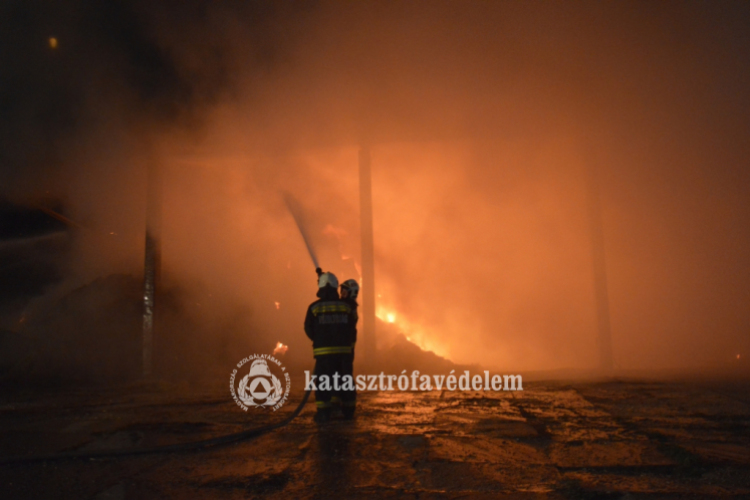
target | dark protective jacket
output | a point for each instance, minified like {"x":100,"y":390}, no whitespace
{"x":353,"y":304}
{"x":331,"y":324}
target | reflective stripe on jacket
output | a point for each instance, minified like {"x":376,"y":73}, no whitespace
{"x":331,"y":323}
{"x":320,"y":351}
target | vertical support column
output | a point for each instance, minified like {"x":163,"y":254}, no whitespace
{"x":152,"y":263}
{"x":600,"y":270}
{"x":368,"y":251}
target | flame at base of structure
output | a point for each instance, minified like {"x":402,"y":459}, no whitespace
{"x":414,"y":333}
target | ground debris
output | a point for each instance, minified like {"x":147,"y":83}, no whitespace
{"x":554,"y":440}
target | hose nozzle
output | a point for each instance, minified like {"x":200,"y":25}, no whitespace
{"x":319,"y":271}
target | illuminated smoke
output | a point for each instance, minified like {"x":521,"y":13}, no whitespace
{"x":482,"y":118}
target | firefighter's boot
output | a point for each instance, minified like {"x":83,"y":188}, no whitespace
{"x":322,"y":416}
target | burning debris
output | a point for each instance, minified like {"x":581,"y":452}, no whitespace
{"x":394,"y":328}
{"x":280,"y":349}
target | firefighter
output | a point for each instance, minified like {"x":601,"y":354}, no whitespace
{"x":349,"y":292}
{"x":331,"y":325}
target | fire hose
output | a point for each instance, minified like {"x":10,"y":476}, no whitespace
{"x":204,"y":444}
{"x":170,"y":448}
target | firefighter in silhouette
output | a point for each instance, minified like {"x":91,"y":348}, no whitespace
{"x":348,"y":292}
{"x":331,"y":325}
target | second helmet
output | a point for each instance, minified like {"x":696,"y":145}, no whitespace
{"x":352,"y":286}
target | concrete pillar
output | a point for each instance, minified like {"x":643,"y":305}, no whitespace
{"x":368,"y":253}
{"x":152,"y":263}
{"x":601,"y":291}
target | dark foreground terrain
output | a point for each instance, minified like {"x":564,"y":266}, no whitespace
{"x":615,"y":439}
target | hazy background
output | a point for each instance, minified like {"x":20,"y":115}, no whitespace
{"x":482,"y":117}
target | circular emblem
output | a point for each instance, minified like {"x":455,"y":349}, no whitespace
{"x":260,"y":387}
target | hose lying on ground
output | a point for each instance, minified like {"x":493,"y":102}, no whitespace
{"x":296,"y":211}
{"x":171,"y":448}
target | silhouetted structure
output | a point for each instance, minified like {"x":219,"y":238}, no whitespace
{"x":152,"y":264}
{"x":368,"y":252}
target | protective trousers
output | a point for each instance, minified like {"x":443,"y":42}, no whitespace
{"x":330,"y":364}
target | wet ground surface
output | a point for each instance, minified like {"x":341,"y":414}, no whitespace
{"x":613,"y":439}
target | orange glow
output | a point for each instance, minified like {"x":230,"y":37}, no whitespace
{"x":52,"y":42}
{"x":280,"y":349}
{"x":479,"y":147}
{"x":413,"y":332}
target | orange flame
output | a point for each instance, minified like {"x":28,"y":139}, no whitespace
{"x":413,"y":332}
{"x":280,"y":349}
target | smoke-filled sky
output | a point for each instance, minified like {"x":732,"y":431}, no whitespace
{"x":483,"y":119}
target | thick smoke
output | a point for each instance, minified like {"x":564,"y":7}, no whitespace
{"x":483,"y":120}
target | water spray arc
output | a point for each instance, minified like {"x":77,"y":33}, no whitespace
{"x":296,"y":210}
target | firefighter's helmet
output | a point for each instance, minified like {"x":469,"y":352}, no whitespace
{"x":352,"y":287}
{"x":328,"y":279}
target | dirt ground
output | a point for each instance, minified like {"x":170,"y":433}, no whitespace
{"x":618,"y":439}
